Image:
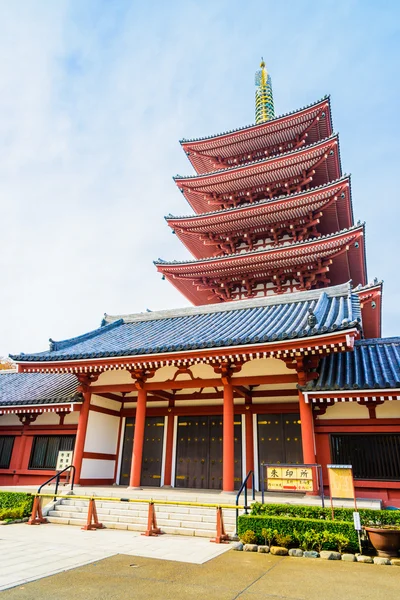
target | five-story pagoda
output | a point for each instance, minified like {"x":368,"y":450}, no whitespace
{"x":273,"y":209}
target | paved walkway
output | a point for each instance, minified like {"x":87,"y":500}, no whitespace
{"x":31,"y":552}
{"x":230,"y":576}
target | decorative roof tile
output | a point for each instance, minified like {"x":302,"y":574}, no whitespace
{"x":254,"y":321}
{"x":373,"y":364}
{"x":17,"y":389}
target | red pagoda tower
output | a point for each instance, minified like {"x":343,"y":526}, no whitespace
{"x":273,"y":212}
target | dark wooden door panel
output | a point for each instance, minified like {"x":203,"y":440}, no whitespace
{"x":199,"y":452}
{"x":152,"y":451}
{"x":279,"y":439}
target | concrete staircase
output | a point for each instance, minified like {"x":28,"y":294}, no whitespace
{"x":176,"y":520}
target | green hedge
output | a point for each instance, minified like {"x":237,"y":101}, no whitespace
{"x":287,"y":526}
{"x":367,"y":516}
{"x":15,"y":505}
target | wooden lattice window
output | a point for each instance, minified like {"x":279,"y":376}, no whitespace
{"x":45,"y":450}
{"x":6,"y":448}
{"x":372,"y":455}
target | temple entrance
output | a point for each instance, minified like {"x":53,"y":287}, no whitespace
{"x":152,"y":451}
{"x":279,"y":439}
{"x":199,"y":452}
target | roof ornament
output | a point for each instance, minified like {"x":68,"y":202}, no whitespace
{"x":311,"y":319}
{"x":52,"y":345}
{"x":264,"y":98}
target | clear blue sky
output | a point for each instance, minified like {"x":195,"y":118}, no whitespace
{"x":94,"y":96}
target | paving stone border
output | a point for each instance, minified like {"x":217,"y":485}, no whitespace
{"x":324,"y":554}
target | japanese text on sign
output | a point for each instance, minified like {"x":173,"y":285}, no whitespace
{"x":290,"y":478}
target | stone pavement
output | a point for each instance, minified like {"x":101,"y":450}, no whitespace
{"x":31,"y":552}
{"x":230,"y":576}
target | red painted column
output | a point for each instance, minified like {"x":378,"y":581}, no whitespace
{"x":228,"y":451}
{"x":138,"y":440}
{"x":169,"y":450}
{"x":81,"y":435}
{"x":248,"y":422}
{"x":307,"y":430}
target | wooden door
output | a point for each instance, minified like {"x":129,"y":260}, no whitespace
{"x":199,"y":452}
{"x":279,"y":439}
{"x":152,"y":451}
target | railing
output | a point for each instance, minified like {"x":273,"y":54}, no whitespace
{"x":244,"y":487}
{"x":152,"y":529}
{"x":57,"y":478}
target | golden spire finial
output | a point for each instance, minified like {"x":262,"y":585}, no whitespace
{"x":264,"y":97}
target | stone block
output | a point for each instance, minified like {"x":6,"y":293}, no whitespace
{"x":238,"y":546}
{"x":330,"y":555}
{"x":395,"y":562}
{"x":349,"y":557}
{"x":250,"y":548}
{"x":379,"y":560}
{"x":278,"y":550}
{"x":365,"y":559}
{"x":263,"y":549}
{"x":310,"y":554}
{"x":298,"y":552}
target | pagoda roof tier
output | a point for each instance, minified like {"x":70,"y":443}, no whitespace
{"x":290,"y":172}
{"x":371,"y":305}
{"x":298,"y":266}
{"x":327,"y":207}
{"x":293,"y":130}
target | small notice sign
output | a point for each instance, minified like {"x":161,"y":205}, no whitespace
{"x":341,"y":481}
{"x":64,"y":459}
{"x":357,"y":521}
{"x":293,"y":479}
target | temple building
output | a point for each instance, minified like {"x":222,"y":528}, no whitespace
{"x":279,"y":360}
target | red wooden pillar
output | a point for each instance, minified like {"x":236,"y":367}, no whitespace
{"x":169,"y":449}
{"x":81,"y":435}
{"x":248,"y":422}
{"x":138,"y":440}
{"x":228,"y":452}
{"x":307,"y":430}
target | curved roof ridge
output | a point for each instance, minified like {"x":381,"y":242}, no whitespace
{"x":343,"y":289}
{"x":253,"y":125}
{"x":265,"y":200}
{"x":261,"y":160}
{"x":376,"y":341}
{"x":262,"y":250}
{"x":81,"y":338}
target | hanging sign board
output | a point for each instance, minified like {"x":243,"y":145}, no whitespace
{"x":341,"y":481}
{"x":289,"y":479}
{"x":64,"y":459}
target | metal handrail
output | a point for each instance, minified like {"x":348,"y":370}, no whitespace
{"x":57,"y":478}
{"x":244,"y":486}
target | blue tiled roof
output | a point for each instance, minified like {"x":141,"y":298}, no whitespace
{"x":18,"y":389}
{"x":221,"y":325}
{"x":374,"y":364}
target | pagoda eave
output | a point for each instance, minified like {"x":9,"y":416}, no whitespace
{"x":294,"y":216}
{"x":325,"y":261}
{"x":287,"y":173}
{"x":306,"y":126}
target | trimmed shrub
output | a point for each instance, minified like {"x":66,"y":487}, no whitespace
{"x":248,"y":537}
{"x":15,"y":505}
{"x":368,"y":516}
{"x":297,"y":528}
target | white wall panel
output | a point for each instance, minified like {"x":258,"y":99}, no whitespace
{"x":97,"y":469}
{"x":102,"y":433}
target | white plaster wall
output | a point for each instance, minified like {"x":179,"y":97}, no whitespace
{"x":388,"y":410}
{"x":9,"y":420}
{"x":72,"y":418}
{"x":97,"y":469}
{"x":105,"y":403}
{"x":345,"y":410}
{"x":50,"y":418}
{"x":112,"y":377}
{"x":102,"y":433}
{"x":263,"y":366}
